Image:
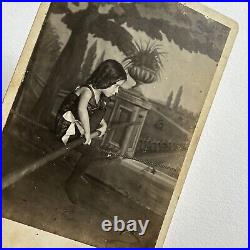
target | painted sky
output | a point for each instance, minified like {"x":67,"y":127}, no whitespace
{"x":191,"y":69}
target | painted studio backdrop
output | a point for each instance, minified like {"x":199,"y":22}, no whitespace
{"x":170,"y":54}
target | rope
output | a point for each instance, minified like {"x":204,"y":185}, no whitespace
{"x":108,"y":152}
{"x":20,"y":173}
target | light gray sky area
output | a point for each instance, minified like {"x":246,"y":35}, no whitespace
{"x":191,"y":65}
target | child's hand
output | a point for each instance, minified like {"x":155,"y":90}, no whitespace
{"x":103,"y":128}
{"x":88,"y":139}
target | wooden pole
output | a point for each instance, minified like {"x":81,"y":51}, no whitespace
{"x":15,"y":176}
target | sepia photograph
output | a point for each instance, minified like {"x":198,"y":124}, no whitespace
{"x":110,"y":107}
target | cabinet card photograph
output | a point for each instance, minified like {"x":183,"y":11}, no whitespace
{"x":103,"y":115}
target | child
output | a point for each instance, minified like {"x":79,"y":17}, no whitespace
{"x":82,"y":112}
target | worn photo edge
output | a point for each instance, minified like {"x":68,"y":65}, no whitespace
{"x":19,"y":75}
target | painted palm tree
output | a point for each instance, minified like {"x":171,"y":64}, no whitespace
{"x":145,"y":64}
{"x":109,"y":26}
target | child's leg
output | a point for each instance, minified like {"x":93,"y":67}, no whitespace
{"x":77,"y":176}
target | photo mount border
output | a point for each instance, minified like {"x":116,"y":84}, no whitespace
{"x":18,"y":78}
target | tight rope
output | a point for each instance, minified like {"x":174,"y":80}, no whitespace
{"x":16,"y":175}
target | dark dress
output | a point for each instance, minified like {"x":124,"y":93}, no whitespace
{"x":69,"y":107}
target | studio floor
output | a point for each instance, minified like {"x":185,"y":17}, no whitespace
{"x":40,"y":200}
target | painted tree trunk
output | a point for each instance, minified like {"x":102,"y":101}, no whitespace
{"x":66,"y":68}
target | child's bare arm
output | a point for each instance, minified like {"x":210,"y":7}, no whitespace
{"x":83,"y":113}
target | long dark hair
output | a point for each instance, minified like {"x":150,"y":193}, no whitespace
{"x":107,"y":74}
